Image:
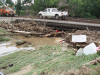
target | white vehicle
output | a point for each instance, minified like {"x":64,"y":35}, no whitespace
{"x":53,"y":12}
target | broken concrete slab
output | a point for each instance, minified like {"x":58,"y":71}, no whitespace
{"x":90,"y":49}
{"x":79,"y":52}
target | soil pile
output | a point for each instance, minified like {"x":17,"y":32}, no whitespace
{"x":32,"y":26}
{"x":27,"y":26}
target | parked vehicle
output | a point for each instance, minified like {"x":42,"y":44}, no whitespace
{"x":6,"y":11}
{"x":53,"y":12}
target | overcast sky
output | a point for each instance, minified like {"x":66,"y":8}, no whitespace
{"x":21,"y":0}
{"x":14,"y":1}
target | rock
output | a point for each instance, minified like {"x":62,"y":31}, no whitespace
{"x":4,"y":67}
{"x":79,"y":52}
{"x":98,"y":60}
{"x":10,"y":65}
{"x":20,"y":42}
{"x":97,"y":43}
{"x":93,"y":62}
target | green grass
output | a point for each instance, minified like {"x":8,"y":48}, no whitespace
{"x":46,"y":60}
{"x":2,"y":31}
{"x":3,"y":38}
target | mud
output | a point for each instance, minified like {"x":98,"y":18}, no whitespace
{"x":37,"y":41}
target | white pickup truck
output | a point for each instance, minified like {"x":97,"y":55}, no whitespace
{"x":52,"y":12}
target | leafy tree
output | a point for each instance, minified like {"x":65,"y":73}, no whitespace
{"x":1,"y":3}
{"x":81,"y":8}
{"x":38,"y":5}
{"x":42,"y":4}
{"x":63,"y":5}
{"x":50,"y":3}
{"x":10,"y":2}
{"x":96,"y":9}
{"x":18,"y":7}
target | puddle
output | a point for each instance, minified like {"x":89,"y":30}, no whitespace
{"x":37,"y":40}
{"x":10,"y":47}
{"x":4,"y":44}
{"x":4,"y":50}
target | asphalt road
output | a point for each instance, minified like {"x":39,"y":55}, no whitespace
{"x":72,"y":19}
{"x":9,"y":19}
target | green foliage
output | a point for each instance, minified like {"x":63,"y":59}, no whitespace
{"x":78,"y":8}
{"x":1,"y":3}
{"x":38,"y":5}
{"x":26,"y":1}
{"x":22,"y":13}
{"x":42,"y":4}
{"x":96,"y":9}
{"x":18,"y":7}
{"x":85,"y":8}
{"x":10,"y":2}
{"x":3,"y":39}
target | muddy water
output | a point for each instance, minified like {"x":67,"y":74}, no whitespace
{"x":10,"y":47}
{"x":6,"y":49}
{"x":36,"y":40}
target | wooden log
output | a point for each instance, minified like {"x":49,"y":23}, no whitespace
{"x":26,"y":33}
{"x":54,"y":34}
{"x":22,"y":32}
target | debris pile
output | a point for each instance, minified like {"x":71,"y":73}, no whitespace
{"x":6,"y":25}
{"x":31,"y":27}
{"x":91,"y":36}
{"x":26,"y":26}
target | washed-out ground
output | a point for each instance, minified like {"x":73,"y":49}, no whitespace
{"x":48,"y":58}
